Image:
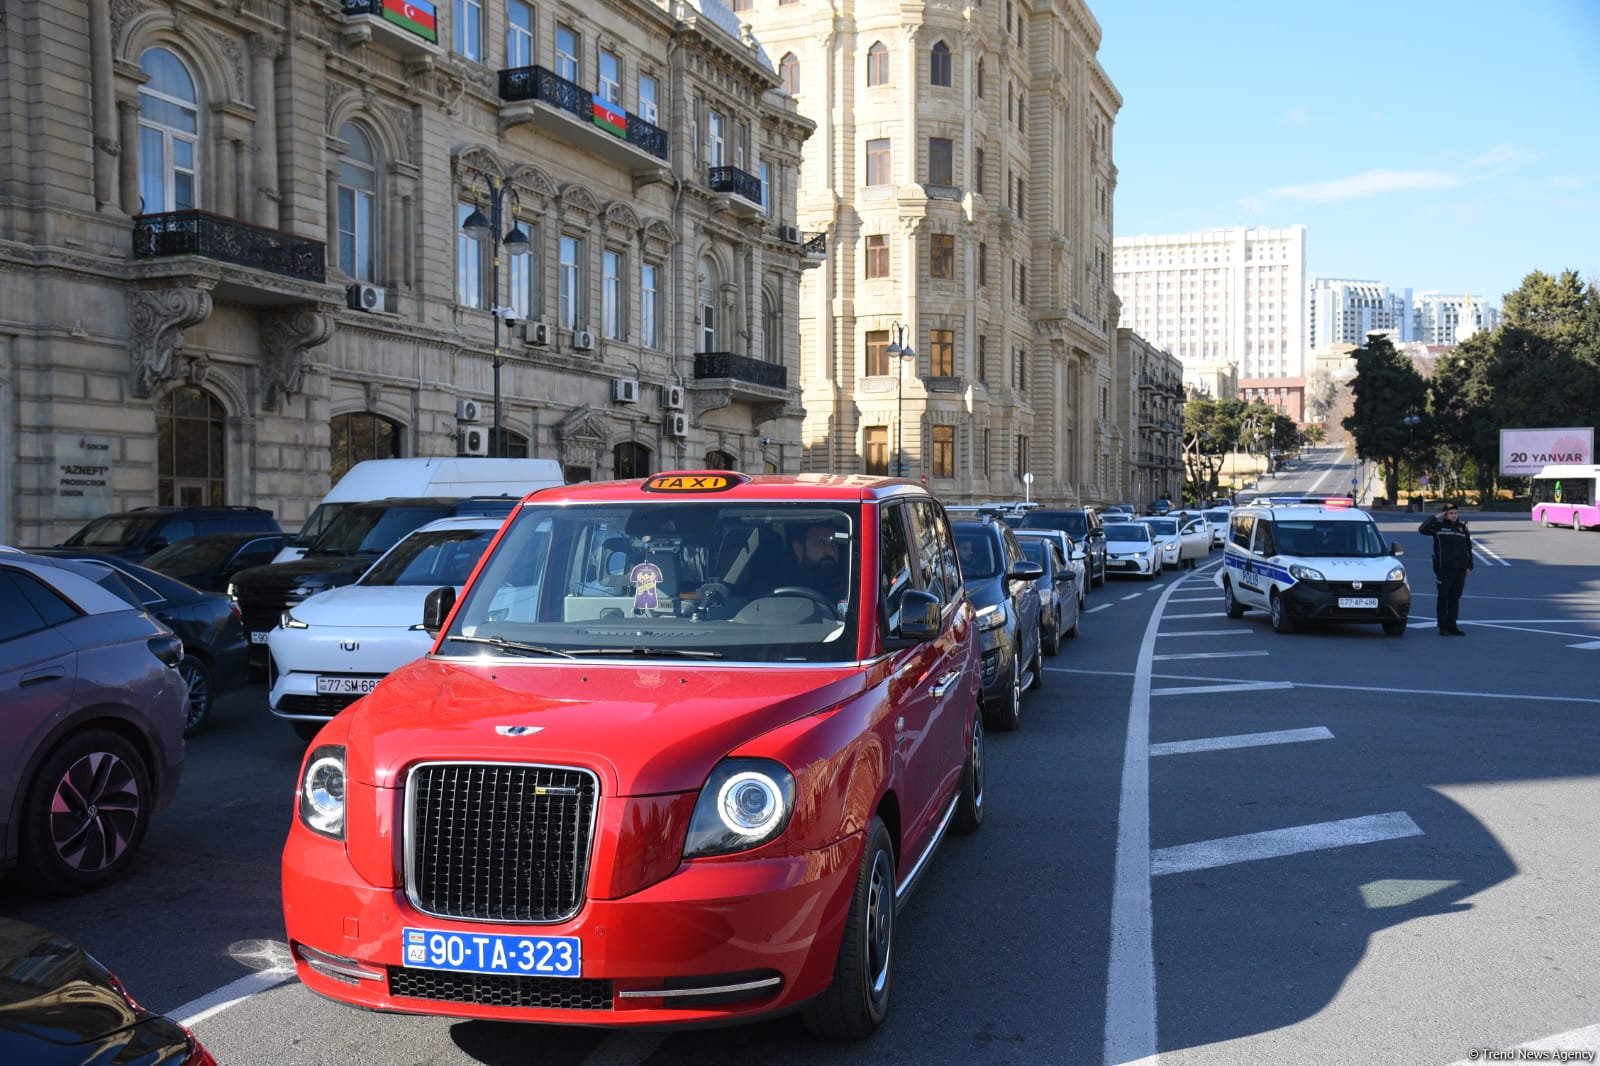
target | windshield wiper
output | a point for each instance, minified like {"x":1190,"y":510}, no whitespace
{"x":513,"y":645}
{"x":643,"y":652}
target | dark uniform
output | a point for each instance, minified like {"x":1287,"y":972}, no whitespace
{"x":1452,"y":562}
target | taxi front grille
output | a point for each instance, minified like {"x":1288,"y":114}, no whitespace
{"x":328,"y":705}
{"x":498,"y":842}
{"x":501,"y":990}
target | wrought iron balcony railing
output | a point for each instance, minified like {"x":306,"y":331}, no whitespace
{"x":816,"y":244}
{"x":709,"y":365}
{"x":736,"y":181}
{"x":546,"y":86}
{"x":229,"y":240}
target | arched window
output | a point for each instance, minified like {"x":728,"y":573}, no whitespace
{"x":978,"y":80}
{"x":878,"y":64}
{"x":191,"y":464}
{"x":789,"y":71}
{"x":358,"y":198}
{"x":706,"y":286}
{"x":516,"y":445}
{"x":716,"y":459}
{"x":361,"y":435}
{"x":169,"y":134}
{"x":630,"y":460}
{"x":939,"y":65}
{"x":771,"y":328}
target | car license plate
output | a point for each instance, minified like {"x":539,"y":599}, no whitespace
{"x":498,"y":953}
{"x":258,"y":638}
{"x":1358,"y":601}
{"x":342,"y":686}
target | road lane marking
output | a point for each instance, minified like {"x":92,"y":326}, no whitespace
{"x":1241,"y":740}
{"x":1209,"y":655}
{"x":1342,"y":688}
{"x":1243,"y":686}
{"x":1194,"y":599}
{"x":1198,"y":614}
{"x":196,"y":1011}
{"x":1208,"y":632}
{"x":1277,"y":843}
{"x":1489,"y":555}
{"x":1102,"y":607}
{"x":1590,"y":646}
{"x":1133,"y":596}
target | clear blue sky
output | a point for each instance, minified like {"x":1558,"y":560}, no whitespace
{"x":1423,"y":144}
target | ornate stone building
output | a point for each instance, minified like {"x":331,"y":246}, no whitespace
{"x":963,"y":171}
{"x":1150,"y":396}
{"x":232,"y":256}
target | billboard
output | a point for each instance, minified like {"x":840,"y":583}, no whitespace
{"x":1524,"y":451}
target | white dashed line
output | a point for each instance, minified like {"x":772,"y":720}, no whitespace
{"x":1244,"y":686}
{"x":1208,"y":655}
{"x":1241,"y":740}
{"x":1102,"y":607}
{"x":1209,"y":632}
{"x":1133,"y":596}
{"x":234,"y":992}
{"x":1276,"y":843}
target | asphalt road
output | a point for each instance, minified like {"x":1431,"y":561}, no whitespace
{"x":1208,"y":843}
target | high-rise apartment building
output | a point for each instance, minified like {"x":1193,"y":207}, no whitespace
{"x":1232,"y":296}
{"x":1343,"y":312}
{"x":233,"y":260}
{"x":962,"y":169}
{"x":1441,"y":318}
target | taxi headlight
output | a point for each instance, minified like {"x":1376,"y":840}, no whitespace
{"x":1305,"y":573}
{"x":321,"y":804}
{"x":992,"y":617}
{"x":288,"y":621}
{"x":1397,"y":574}
{"x":745,"y":803}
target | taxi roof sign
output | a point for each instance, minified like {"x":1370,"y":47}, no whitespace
{"x":694,"y":481}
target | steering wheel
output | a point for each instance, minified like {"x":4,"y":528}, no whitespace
{"x":810,"y":594}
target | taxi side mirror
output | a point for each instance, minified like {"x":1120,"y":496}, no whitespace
{"x":919,"y":618}
{"x":437,"y":607}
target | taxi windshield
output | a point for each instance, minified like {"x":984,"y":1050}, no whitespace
{"x":1360,"y":540}
{"x":740,"y":581}
{"x":1128,"y":532}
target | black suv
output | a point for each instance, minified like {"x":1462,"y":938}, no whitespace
{"x":134,"y":534}
{"x":342,"y":553}
{"x":1084,"y":525}
{"x":1000,"y":583}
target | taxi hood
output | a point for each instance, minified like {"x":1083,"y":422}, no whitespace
{"x":644,"y":729}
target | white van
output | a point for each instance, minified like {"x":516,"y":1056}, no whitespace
{"x":1312,"y":562}
{"x":450,"y":477}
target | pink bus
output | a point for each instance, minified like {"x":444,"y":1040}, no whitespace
{"x":1567,"y":495}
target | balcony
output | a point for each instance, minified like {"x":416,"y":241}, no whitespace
{"x":742,"y":378}
{"x":943,"y":383}
{"x":276,"y":264}
{"x":367,"y":21}
{"x":567,"y":110}
{"x":816,"y":245}
{"x":744,"y":187}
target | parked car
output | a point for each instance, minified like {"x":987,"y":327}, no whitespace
{"x":208,"y":623}
{"x":143,"y":531}
{"x":1216,"y":519}
{"x":209,"y":562}
{"x":63,"y":1008}
{"x":1058,"y":592}
{"x":1161,"y":506}
{"x":353,"y":542}
{"x":1000,"y":582}
{"x":1132,"y":549}
{"x":1164,"y":531}
{"x":92,"y":742}
{"x":1083,"y":524}
{"x":1072,"y":553}
{"x":699,"y":809}
{"x":334,"y":647}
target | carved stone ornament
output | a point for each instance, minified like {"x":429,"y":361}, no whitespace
{"x":285,"y":338}
{"x":584,"y":436}
{"x":156,"y":321}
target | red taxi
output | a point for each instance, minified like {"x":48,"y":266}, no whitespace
{"x":678,"y":753}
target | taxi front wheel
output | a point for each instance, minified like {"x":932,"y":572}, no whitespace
{"x":857,"y":1001}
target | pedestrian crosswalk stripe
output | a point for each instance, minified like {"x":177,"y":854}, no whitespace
{"x":1241,"y":740}
{"x":1277,"y":843}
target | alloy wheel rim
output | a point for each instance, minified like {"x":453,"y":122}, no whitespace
{"x":94,"y":811}
{"x":880,"y":925}
{"x":199,"y":693}
{"x":977,"y":762}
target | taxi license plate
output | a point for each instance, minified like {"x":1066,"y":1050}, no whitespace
{"x":258,"y":638}
{"x":495,"y":953}
{"x":1358,"y":601}
{"x":344,"y":686}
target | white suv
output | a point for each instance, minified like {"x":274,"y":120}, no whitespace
{"x":1313,"y":562}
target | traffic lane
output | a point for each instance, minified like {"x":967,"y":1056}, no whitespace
{"x":193,"y":911}
{"x":1250,"y":948}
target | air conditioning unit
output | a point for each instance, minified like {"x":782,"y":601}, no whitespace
{"x":672,"y":397}
{"x":625,"y":390}
{"x":473,"y":440}
{"x":677,"y":425}
{"x":583,"y":340}
{"x":468,"y":411}
{"x":536,"y":334}
{"x":362,"y":297}
{"x":789,"y":233}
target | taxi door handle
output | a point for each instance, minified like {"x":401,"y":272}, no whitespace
{"x":941,"y":686}
{"x":49,"y":673}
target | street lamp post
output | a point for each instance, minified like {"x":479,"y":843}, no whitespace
{"x":1410,"y":421}
{"x":516,"y":242}
{"x":901,"y":353}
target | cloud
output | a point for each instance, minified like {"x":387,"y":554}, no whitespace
{"x":1298,"y":116}
{"x":1500,"y":153}
{"x":1566,"y":181}
{"x":1370,"y":183}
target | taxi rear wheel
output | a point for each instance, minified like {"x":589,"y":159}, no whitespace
{"x":857,"y":1001}
{"x":969,"y":804}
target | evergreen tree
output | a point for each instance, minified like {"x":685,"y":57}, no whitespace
{"x":1387,"y":388}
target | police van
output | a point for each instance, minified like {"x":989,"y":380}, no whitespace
{"x":1312,"y":559}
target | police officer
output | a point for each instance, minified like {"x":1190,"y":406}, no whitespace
{"x":1452,"y":562}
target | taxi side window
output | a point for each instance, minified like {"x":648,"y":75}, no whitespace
{"x":1265,"y":542}
{"x":1243,"y":525}
{"x":894,"y":561}
{"x":933,"y":542}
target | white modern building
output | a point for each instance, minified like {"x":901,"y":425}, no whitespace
{"x":1442,"y":318}
{"x":1342,"y":311}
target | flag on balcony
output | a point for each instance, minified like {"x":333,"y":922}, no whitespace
{"x":610,"y":118}
{"x":414,"y":15}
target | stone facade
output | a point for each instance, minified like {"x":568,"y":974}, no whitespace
{"x":963,"y":173}
{"x":215,"y":347}
{"x":1149,"y":398}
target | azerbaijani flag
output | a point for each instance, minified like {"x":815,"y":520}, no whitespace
{"x":414,"y":15}
{"x":610,"y":118}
